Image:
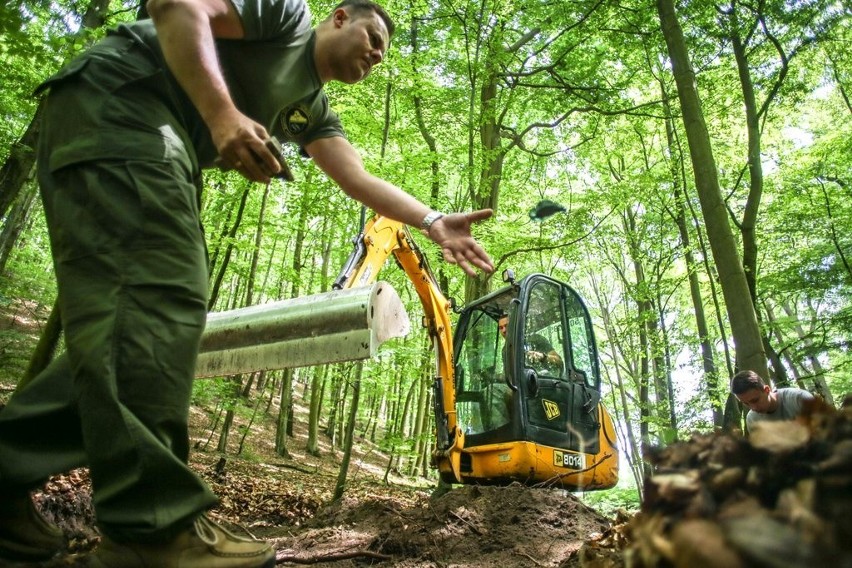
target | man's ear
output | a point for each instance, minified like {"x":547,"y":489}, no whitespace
{"x":339,"y":17}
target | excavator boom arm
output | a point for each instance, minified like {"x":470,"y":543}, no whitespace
{"x":381,"y":238}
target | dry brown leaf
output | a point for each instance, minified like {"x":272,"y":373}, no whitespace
{"x":701,"y":544}
{"x":765,"y":541}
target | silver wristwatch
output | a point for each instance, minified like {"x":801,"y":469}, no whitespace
{"x":429,"y":219}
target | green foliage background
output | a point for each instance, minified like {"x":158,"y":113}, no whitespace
{"x":574,"y":93}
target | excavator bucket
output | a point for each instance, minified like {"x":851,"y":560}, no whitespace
{"x":343,"y":325}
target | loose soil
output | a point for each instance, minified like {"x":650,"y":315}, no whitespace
{"x":289,"y":503}
{"x":779,"y":499}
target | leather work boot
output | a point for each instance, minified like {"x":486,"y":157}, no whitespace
{"x":205,"y":545}
{"x":25,"y":536}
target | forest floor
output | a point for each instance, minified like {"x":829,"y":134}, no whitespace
{"x":781,"y":498}
{"x":289,"y":502}
{"x":391,"y":524}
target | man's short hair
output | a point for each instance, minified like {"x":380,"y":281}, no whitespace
{"x":746,"y":381}
{"x":357,"y":8}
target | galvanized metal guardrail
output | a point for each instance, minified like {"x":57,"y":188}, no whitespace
{"x":343,"y":325}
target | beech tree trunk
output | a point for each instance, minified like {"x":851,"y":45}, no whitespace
{"x":18,"y":167}
{"x":715,"y":393}
{"x":633,"y":452}
{"x":420,"y":434}
{"x":285,"y":408}
{"x":740,"y":308}
{"x":229,"y":249}
{"x":317,"y":379}
{"x":15,"y":223}
{"x":349,"y":434}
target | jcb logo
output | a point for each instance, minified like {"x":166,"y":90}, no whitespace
{"x":551,"y":409}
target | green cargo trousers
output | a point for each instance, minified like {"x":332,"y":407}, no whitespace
{"x":118,"y":181}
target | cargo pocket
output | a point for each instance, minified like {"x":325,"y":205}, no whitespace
{"x":71,"y":70}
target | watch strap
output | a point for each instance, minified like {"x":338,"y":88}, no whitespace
{"x":429,"y":220}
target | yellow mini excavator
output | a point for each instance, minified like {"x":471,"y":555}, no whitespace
{"x":516,"y":387}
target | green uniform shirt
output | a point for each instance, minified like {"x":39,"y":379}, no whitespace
{"x":270,"y":73}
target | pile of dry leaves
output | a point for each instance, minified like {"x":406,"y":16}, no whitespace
{"x":781,"y":498}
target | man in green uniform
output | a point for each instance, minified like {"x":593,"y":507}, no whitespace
{"x":128,"y":128}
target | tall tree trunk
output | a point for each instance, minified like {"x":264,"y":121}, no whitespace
{"x":647,"y":410}
{"x":425,"y":459}
{"x":420,"y":428}
{"x":711,"y":379}
{"x":404,"y":424}
{"x":434,"y":165}
{"x":17,"y":168}
{"x":755,"y":168}
{"x":249,"y":286}
{"x":255,"y":253}
{"x":337,"y":382}
{"x":215,"y":246}
{"x":664,"y":363}
{"x":818,"y":372}
{"x":381,"y":407}
{"x":371,"y":403}
{"x":733,"y":412}
{"x":633,"y":452}
{"x":251,"y":421}
{"x":284,"y":407}
{"x":317,"y":380}
{"x":491,"y":174}
{"x":241,"y":392}
{"x":15,"y":223}
{"x":217,"y":283}
{"x":775,"y":329}
{"x":235,"y":382}
{"x":341,"y":424}
{"x":712,"y":280}
{"x":740,"y":308}
{"x":349,"y":437}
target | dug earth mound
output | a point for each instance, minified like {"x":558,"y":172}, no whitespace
{"x":509,"y":527}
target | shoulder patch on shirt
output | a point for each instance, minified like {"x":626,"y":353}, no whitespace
{"x":295,"y":119}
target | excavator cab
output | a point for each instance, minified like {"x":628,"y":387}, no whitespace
{"x":528,"y":390}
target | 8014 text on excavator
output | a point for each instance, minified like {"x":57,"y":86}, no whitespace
{"x":517,"y":404}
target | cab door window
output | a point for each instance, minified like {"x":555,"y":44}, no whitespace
{"x":483,"y":398}
{"x":582,"y":343}
{"x":544,"y":334}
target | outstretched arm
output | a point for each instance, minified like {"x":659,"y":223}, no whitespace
{"x":186,"y":29}
{"x":339,"y":159}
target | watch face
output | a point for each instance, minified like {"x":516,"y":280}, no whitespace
{"x":429,"y":219}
